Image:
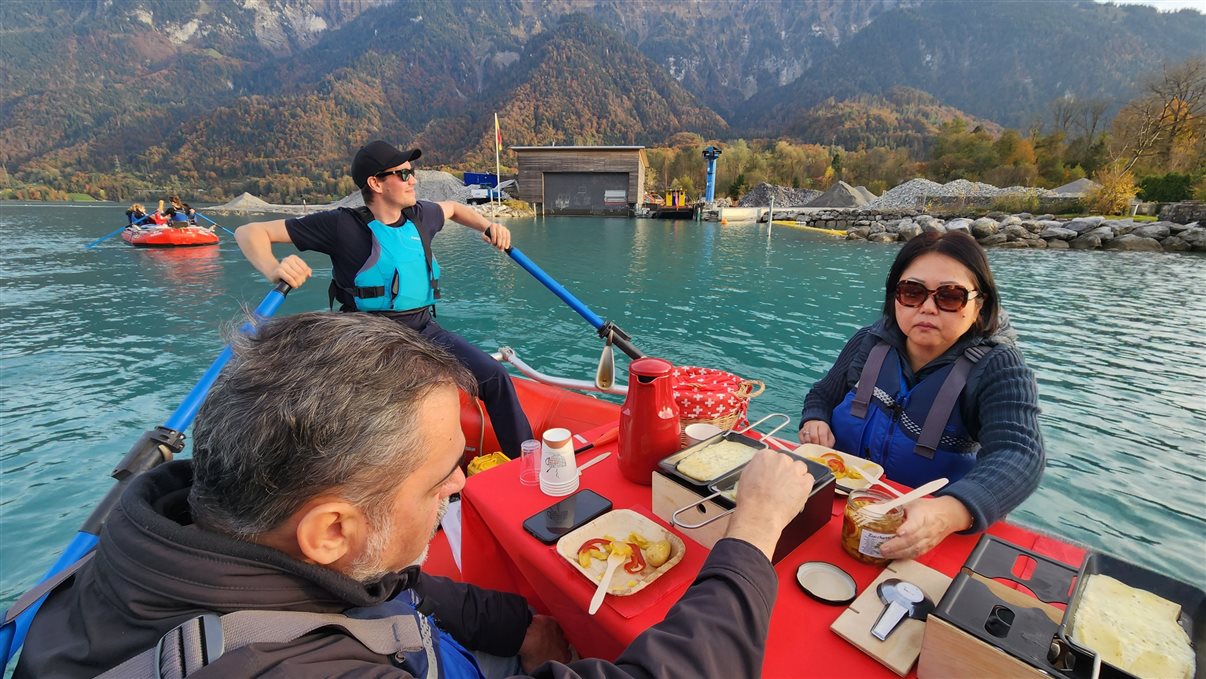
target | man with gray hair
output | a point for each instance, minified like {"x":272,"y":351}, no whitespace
{"x":323,"y":459}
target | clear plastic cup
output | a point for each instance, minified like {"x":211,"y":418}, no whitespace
{"x":529,"y":462}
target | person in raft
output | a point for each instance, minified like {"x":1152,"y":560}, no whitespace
{"x":322,"y":460}
{"x":934,"y":389}
{"x":179,"y":213}
{"x":136,"y":214}
{"x":381,"y":263}
{"x":159,"y":216}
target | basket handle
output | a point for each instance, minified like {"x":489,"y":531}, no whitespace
{"x":750,"y":388}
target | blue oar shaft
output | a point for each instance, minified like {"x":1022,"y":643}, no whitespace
{"x":13,"y":635}
{"x":215,"y":223}
{"x":107,"y":236}
{"x":555,"y":287}
{"x":605,"y":328}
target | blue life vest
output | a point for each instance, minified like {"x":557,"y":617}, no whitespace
{"x":917,"y":433}
{"x":453,"y":661}
{"x":400,"y":273}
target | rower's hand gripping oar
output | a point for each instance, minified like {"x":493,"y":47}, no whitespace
{"x":610,"y":332}
{"x":107,"y":236}
{"x":213,"y":222}
{"x":152,"y":449}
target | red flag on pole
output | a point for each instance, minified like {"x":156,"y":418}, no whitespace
{"x":497,"y":131}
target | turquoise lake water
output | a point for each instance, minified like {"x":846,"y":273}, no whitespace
{"x":100,"y":345}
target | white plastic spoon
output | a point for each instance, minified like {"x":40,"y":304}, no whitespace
{"x":865,"y":476}
{"x":885,"y":507}
{"x":613,"y":562}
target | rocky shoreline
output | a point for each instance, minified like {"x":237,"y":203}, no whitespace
{"x":1022,"y":230}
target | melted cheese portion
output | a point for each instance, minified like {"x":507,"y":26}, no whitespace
{"x":715,"y":460}
{"x":1133,"y":630}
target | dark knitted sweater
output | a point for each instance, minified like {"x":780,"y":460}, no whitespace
{"x":999,"y":406}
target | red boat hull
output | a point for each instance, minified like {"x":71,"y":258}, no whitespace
{"x":169,"y":237}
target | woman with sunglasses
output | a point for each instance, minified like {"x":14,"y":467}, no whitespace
{"x":936,"y":388}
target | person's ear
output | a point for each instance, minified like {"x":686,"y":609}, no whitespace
{"x":330,"y":530}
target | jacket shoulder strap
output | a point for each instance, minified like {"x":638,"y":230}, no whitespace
{"x":195,"y":643}
{"x":867,"y":379}
{"x":425,"y":238}
{"x":944,"y":402}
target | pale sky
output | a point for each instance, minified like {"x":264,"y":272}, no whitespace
{"x":1166,"y":5}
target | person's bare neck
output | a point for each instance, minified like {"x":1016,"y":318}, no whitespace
{"x":920,"y":358}
{"x":386,"y":214}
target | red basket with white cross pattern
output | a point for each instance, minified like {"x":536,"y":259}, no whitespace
{"x":712,"y":396}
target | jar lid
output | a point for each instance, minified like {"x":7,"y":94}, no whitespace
{"x":826,"y":583}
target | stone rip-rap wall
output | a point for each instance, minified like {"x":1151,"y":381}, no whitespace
{"x":1021,"y":230}
{"x":1184,"y":212}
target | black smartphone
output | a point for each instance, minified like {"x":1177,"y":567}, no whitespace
{"x":576,"y":510}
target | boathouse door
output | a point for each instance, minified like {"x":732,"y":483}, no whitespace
{"x":586,"y":193}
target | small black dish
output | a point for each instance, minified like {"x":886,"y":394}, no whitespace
{"x":826,"y":583}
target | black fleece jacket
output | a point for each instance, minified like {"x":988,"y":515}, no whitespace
{"x":154,"y":570}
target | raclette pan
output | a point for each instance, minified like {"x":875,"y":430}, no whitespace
{"x":1077,"y":661}
{"x":670,"y":465}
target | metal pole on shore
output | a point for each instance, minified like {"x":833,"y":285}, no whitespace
{"x":770,"y":218}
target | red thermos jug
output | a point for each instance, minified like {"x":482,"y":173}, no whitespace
{"x":649,"y":429}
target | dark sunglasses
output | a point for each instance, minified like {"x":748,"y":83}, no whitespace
{"x":946,"y":297}
{"x":404,"y":174}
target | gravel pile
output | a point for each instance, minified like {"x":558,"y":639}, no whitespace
{"x":760,"y":196}
{"x":1080,"y":187}
{"x":914,"y":192}
{"x":841,"y":194}
{"x":433,"y":185}
{"x":436,"y":186}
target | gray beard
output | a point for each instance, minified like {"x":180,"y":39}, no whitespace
{"x":368,"y":568}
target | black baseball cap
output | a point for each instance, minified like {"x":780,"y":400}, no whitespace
{"x":378,"y":156}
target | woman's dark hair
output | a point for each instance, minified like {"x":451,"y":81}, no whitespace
{"x":962,"y":248}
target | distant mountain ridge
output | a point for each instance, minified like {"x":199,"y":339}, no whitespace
{"x":1000,"y":60}
{"x":223,"y":93}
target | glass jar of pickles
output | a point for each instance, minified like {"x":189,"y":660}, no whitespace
{"x":863,"y":532}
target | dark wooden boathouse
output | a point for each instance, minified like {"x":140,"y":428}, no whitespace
{"x":582,"y":180}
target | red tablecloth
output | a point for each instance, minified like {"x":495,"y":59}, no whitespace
{"x":497,"y":553}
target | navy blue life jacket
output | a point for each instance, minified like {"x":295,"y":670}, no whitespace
{"x":917,"y":433}
{"x":391,"y":279}
{"x":452,"y":660}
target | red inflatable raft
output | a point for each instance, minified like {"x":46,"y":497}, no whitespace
{"x":168,"y":237}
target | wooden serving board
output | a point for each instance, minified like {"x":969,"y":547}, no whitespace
{"x":903,"y":646}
